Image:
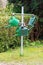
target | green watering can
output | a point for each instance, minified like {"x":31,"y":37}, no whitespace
{"x":32,"y":21}
{"x":13,"y":22}
{"x":22,"y":31}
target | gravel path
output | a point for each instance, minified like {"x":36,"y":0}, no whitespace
{"x":21,"y":63}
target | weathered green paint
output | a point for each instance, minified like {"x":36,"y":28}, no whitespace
{"x":22,"y":31}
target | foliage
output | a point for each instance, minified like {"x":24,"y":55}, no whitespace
{"x":29,"y":5}
{"x":8,"y":10}
{"x":36,"y":43}
{"x":7,"y":36}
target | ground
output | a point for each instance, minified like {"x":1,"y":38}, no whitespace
{"x":32,"y":56}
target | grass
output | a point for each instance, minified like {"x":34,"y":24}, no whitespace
{"x":30,"y":54}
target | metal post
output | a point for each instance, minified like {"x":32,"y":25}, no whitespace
{"x":21,"y":51}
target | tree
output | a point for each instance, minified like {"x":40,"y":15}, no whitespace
{"x":29,"y":5}
{"x":3,"y":3}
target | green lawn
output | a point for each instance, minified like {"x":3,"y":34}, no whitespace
{"x":30,"y":54}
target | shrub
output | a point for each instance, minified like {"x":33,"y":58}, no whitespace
{"x":7,"y":38}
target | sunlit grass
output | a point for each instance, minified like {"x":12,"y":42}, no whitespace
{"x":30,"y":54}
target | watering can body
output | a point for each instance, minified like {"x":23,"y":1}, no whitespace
{"x":22,"y":31}
{"x":13,"y":22}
